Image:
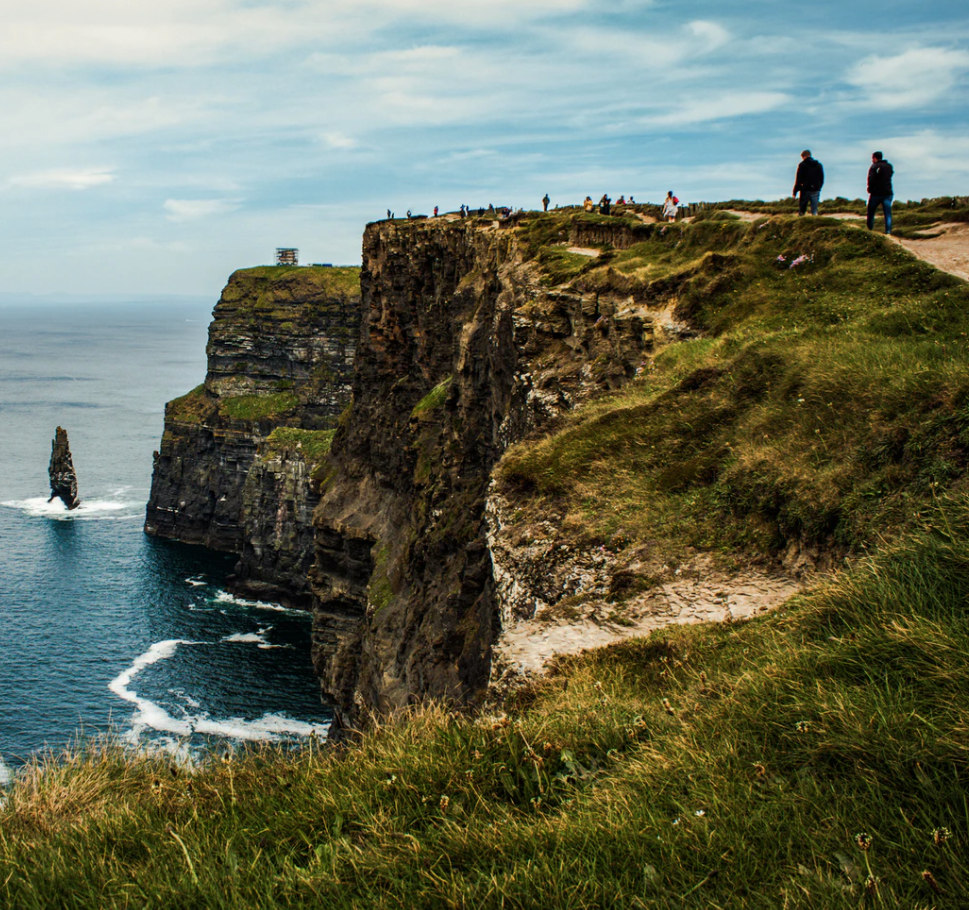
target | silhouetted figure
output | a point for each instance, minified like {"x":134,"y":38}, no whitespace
{"x":808,"y":183}
{"x":545,"y":202}
{"x":880,"y":192}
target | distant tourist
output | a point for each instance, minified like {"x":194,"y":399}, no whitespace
{"x":670,"y":205}
{"x":409,"y":215}
{"x":389,"y":214}
{"x":808,"y":182}
{"x":880,"y":192}
{"x":588,"y":205}
{"x":631,"y":200}
{"x":621,"y":200}
{"x":545,"y":202}
{"x":435,"y":211}
{"x":604,"y":204}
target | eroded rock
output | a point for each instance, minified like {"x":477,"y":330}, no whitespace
{"x":63,"y":479}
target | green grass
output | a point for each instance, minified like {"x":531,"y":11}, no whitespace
{"x":258,"y":407}
{"x":822,"y":403}
{"x":313,"y":445}
{"x":728,"y":766}
{"x":192,"y":407}
{"x":433,"y":399}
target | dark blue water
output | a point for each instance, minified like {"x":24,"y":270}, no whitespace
{"x":101,"y":628}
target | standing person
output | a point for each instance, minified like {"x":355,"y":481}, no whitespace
{"x":880,"y":192}
{"x":669,"y":206}
{"x":545,"y":202}
{"x":808,"y":183}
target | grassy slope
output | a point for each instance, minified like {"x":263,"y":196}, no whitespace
{"x":821,"y":403}
{"x":705,"y":767}
{"x":717,"y":767}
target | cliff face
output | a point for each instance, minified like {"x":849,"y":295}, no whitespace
{"x":234,"y":471}
{"x":465,"y":348}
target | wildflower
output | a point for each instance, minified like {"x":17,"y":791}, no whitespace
{"x":940,"y":836}
{"x":863,"y":840}
{"x":668,"y":708}
{"x":871,"y":884}
{"x":598,"y":686}
{"x":799,"y":261}
{"x":700,"y":813}
{"x":802,"y":726}
{"x":445,"y":802}
{"x":676,"y":821}
{"x":390,"y":781}
{"x":548,"y":747}
{"x":781,"y":258}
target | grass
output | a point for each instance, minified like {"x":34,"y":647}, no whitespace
{"x":433,"y":399}
{"x":313,"y":445}
{"x":820,"y":403}
{"x":258,"y":407}
{"x":729,"y":766}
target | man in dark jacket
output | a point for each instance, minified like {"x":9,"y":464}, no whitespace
{"x":880,"y":192}
{"x":808,"y":183}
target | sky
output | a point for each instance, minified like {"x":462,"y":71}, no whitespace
{"x":154,"y":148}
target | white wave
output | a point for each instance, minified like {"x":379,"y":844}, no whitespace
{"x":6,"y":775}
{"x":268,"y":728}
{"x":89,"y":509}
{"x":224,"y":597}
{"x":248,"y":637}
{"x":196,"y":582}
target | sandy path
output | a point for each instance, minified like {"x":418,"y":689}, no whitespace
{"x":527,"y":646}
{"x":949,"y":251}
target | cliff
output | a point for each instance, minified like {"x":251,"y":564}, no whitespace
{"x":235,"y":467}
{"x":466,"y":347}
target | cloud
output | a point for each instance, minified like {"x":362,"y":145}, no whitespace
{"x":64,"y":179}
{"x":720,"y":107}
{"x":916,"y":77}
{"x":337,"y":140}
{"x":193,"y":209}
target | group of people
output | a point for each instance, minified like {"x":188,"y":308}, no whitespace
{"x":807,"y":187}
{"x":810,"y":179}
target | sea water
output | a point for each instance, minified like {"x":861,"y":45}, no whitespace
{"x":102,"y":629}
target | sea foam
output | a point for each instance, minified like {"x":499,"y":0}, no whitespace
{"x":268,"y":728}
{"x":88,"y":510}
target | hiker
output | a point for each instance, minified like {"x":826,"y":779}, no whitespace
{"x":435,"y":211}
{"x":545,"y":202}
{"x":670,"y":206}
{"x":588,"y":205}
{"x":808,"y":182}
{"x":880,"y":191}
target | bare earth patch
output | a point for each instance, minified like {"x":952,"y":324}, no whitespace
{"x":584,"y":251}
{"x":949,"y":252}
{"x":525,"y":647}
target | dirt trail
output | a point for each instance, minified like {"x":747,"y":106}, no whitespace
{"x":949,"y":251}
{"x":694,"y":597}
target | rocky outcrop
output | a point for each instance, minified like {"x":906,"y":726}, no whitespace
{"x":464,"y":350}
{"x":280,"y":355}
{"x":63,"y":480}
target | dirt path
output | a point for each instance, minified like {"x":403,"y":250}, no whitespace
{"x":948,"y":252}
{"x":694,"y":597}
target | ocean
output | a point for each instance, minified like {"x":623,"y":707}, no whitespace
{"x":102,"y":629}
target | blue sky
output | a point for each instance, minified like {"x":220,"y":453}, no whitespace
{"x":152,"y":148}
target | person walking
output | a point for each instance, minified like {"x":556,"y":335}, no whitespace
{"x":670,"y":206}
{"x":808,"y":183}
{"x":545,"y":202}
{"x":880,"y":192}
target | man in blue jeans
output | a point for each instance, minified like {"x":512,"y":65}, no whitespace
{"x":808,"y":183}
{"x":880,"y":191}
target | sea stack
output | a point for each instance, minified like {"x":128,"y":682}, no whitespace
{"x":63,"y":480}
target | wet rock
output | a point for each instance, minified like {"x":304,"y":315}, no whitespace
{"x":63,"y":480}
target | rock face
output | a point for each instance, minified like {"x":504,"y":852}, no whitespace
{"x":63,"y":480}
{"x":465,"y":348}
{"x":235,"y":467}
